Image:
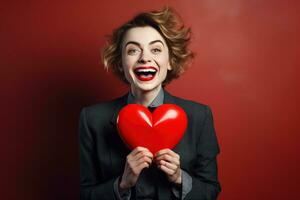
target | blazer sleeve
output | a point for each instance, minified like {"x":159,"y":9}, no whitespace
{"x":205,"y":184}
{"x":91,"y":188}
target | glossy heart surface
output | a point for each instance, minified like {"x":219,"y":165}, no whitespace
{"x":161,"y":129}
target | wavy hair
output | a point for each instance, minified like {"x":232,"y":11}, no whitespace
{"x":168,"y":23}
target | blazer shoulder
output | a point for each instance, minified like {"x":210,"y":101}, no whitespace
{"x":191,"y":105}
{"x":102,"y":111}
{"x":195,"y":110}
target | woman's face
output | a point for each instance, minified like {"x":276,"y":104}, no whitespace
{"x":145,"y":58}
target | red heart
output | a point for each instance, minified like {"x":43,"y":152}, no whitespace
{"x":158,"y":130}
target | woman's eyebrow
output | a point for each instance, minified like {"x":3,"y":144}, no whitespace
{"x":138,"y":44}
{"x":154,"y":41}
{"x":132,"y":42}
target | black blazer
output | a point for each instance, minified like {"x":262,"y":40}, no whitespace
{"x":103,"y":153}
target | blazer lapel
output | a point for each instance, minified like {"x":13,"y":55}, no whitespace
{"x":120,"y":103}
{"x":117,"y":150}
{"x":163,"y":186}
{"x":168,"y":98}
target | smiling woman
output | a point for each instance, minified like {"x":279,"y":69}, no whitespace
{"x":147,"y":53}
{"x":145,"y":59}
{"x":138,"y":53}
{"x":172,"y":33}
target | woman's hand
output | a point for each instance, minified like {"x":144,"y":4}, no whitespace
{"x":136,"y":161}
{"x":169,"y":162}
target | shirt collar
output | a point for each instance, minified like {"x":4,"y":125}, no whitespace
{"x":158,"y":100}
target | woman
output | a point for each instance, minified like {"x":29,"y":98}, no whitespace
{"x":147,"y":53}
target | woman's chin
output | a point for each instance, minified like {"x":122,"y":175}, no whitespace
{"x":146,"y":87}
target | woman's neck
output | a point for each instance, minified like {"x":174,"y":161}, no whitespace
{"x":145,"y":97}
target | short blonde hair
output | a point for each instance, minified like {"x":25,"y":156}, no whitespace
{"x":167,"y":22}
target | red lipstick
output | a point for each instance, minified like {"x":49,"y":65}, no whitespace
{"x":145,"y":73}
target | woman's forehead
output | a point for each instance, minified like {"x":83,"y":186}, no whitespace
{"x":143,"y":36}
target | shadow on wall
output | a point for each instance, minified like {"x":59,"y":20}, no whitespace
{"x":53,"y":98}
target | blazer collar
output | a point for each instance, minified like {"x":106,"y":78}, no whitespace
{"x":122,"y":101}
{"x":168,"y":98}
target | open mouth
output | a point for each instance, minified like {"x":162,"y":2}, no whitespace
{"x":145,"y":73}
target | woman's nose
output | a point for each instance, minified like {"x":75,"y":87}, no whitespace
{"x":144,"y":58}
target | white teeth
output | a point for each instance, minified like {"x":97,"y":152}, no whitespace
{"x":146,"y":70}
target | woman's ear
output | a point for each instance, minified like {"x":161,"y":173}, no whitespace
{"x":169,"y":66}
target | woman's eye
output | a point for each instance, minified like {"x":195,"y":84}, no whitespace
{"x":156,"y":50}
{"x":132,"y":51}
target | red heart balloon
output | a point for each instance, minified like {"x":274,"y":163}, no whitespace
{"x":158,"y":130}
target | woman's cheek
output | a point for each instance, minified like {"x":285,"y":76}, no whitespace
{"x":131,"y":60}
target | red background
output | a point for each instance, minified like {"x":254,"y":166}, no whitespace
{"x":246,"y":69}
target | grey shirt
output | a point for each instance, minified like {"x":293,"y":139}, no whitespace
{"x":145,"y":186}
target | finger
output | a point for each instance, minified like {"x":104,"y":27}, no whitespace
{"x":142,"y":165}
{"x":164,"y":157}
{"x":134,"y":164}
{"x":168,"y":165}
{"x":167,"y":170}
{"x":168,"y":158}
{"x":137,"y":169}
{"x":142,"y":154}
{"x":144,"y":159}
{"x":166,"y":151}
{"x":138,"y":149}
{"x":160,"y":152}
